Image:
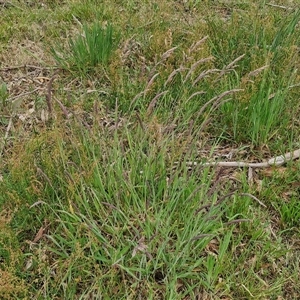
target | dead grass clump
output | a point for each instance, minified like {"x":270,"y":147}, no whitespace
{"x":11,"y":286}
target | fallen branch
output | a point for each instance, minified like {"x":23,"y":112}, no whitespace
{"x":274,"y":161}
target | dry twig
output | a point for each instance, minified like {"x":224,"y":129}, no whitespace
{"x":274,"y":161}
{"x":279,"y":6}
{"x":49,"y":94}
{"x":24,"y":67}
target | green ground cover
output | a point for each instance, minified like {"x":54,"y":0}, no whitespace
{"x":110,"y":114}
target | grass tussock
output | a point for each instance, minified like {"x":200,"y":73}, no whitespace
{"x":92,"y":48}
{"x":104,"y":191}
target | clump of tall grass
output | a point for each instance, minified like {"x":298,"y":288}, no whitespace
{"x":269,"y":49}
{"x":85,"y":52}
{"x":123,"y":211}
{"x":203,"y":88}
{"x":191,"y":93}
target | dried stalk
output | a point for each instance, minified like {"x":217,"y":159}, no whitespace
{"x":195,"y":65}
{"x":204,"y":74}
{"x":171,"y":76}
{"x":12,"y":99}
{"x":195,"y":46}
{"x":63,"y":108}
{"x":216,"y":100}
{"x":229,"y":67}
{"x":274,"y":161}
{"x":254,"y":198}
{"x":24,"y":67}
{"x":279,"y":6}
{"x":257,"y":71}
{"x":9,"y":126}
{"x":49,"y":94}
{"x":153,"y":102}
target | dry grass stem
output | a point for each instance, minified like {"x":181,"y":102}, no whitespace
{"x":217,"y":104}
{"x":204,"y":123}
{"x":195,"y":94}
{"x":140,"y":121}
{"x":216,"y":99}
{"x":257,"y":71}
{"x":8,"y":129}
{"x":49,"y":94}
{"x":41,"y":173}
{"x":23,"y":94}
{"x":204,"y":74}
{"x":153,"y":102}
{"x":195,"y":46}
{"x":139,"y":95}
{"x":171,"y":76}
{"x":254,"y":198}
{"x":163,"y":58}
{"x":150,"y":83}
{"x":229,"y":67}
{"x":63,"y":108}
{"x":167,"y":54}
{"x":232,"y":65}
{"x":280,"y":6}
{"x":195,"y":65}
